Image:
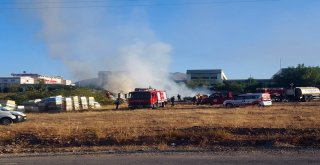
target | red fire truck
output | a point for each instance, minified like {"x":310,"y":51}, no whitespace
{"x":147,"y":98}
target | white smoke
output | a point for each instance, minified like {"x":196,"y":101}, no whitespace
{"x":145,"y":65}
{"x":91,"y":40}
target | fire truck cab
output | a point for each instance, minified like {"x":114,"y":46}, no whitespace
{"x":147,"y":98}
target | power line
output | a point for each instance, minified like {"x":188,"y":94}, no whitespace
{"x":145,"y":4}
{"x":64,"y":2}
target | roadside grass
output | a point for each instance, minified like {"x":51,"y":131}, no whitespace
{"x":183,"y":125}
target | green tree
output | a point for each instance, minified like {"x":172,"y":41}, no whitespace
{"x":198,"y":83}
{"x":237,"y":87}
{"x":42,"y":91}
{"x":299,"y":76}
{"x":251,"y":85}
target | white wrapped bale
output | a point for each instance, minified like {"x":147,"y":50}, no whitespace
{"x":84,"y":103}
{"x":91,"y":102}
{"x":76,"y":103}
{"x":68,"y":104}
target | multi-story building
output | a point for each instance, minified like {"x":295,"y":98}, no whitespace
{"x":211,"y":76}
{"x":29,"y":78}
{"x":16,"y":80}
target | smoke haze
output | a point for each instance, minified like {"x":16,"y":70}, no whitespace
{"x":92,"y":40}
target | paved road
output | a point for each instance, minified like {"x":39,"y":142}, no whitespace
{"x":247,"y":158}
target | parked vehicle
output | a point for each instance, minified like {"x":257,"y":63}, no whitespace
{"x":303,"y":94}
{"x":292,"y":94}
{"x":6,"y":118}
{"x":9,"y":116}
{"x":276,"y":94}
{"x":217,"y":98}
{"x":147,"y":98}
{"x":260,"y":99}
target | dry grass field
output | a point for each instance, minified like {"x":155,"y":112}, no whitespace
{"x":181,"y":126}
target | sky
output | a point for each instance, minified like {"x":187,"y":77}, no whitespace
{"x":77,"y":38}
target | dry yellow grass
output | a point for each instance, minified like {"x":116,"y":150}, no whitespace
{"x":155,"y":127}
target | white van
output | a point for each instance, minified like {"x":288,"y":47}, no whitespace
{"x":260,"y":99}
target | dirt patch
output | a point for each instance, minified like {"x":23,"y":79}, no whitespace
{"x":182,"y":126}
{"x":203,"y":137}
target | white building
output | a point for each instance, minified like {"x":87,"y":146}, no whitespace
{"x":67,"y":82}
{"x":29,"y":78}
{"x":210,"y":75}
{"x":49,"y":79}
{"x":4,"y":81}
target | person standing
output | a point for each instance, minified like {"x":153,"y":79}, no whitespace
{"x":194,"y":100}
{"x":172,"y":101}
{"x":118,"y":101}
{"x":199,"y":100}
{"x":179,"y":97}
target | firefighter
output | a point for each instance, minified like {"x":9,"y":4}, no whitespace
{"x":172,"y":101}
{"x":179,"y":97}
{"x":194,"y":100}
{"x":118,"y":101}
{"x":199,"y":100}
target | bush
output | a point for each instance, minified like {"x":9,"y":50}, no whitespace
{"x":42,"y":91}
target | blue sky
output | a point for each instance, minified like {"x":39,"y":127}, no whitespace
{"x":242,"y":38}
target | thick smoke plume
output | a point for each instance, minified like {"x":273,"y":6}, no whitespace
{"x":92,"y":40}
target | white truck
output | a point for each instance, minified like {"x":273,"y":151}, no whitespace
{"x":303,"y":93}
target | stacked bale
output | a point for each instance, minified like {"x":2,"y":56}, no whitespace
{"x":76,"y":103}
{"x":54,"y":104}
{"x":8,"y":104}
{"x":42,"y":106}
{"x":33,"y":105}
{"x":68,"y":104}
{"x":84,"y":103}
{"x":91,"y":102}
{"x":97,"y":105}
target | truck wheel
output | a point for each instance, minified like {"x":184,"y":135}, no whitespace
{"x":6,"y":121}
{"x":155,"y":106}
{"x":309,"y":98}
{"x":258,"y":105}
{"x":229,"y":105}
